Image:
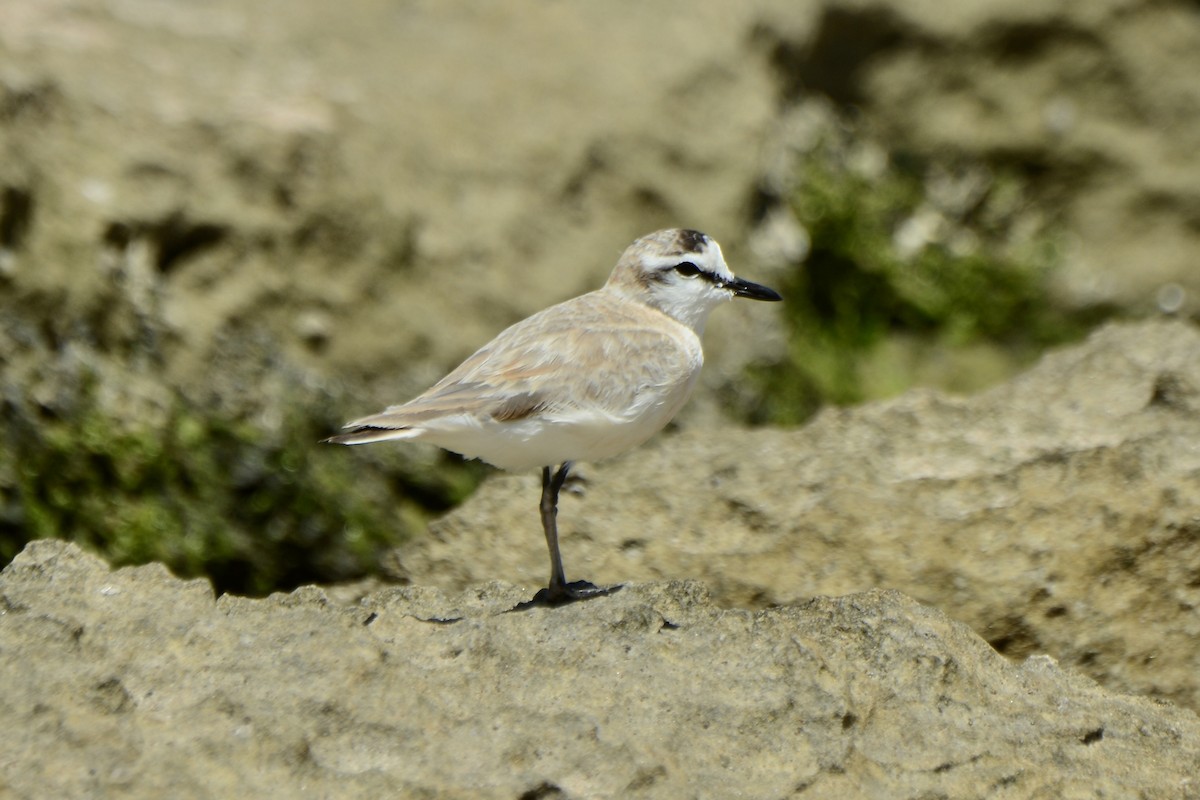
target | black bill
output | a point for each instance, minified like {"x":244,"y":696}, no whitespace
{"x":754,"y":291}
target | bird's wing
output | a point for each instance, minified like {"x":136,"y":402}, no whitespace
{"x":587,"y":355}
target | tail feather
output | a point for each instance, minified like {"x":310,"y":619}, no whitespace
{"x":365,"y":434}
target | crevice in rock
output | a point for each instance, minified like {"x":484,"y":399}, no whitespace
{"x":544,"y":791}
{"x":832,"y":61}
{"x":16,"y":217}
{"x":174,"y":239}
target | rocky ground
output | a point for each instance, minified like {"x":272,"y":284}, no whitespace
{"x":132,"y":683}
{"x":1055,"y":515}
{"x":1058,"y":513}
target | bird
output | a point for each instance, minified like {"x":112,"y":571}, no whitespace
{"x":583,"y":380}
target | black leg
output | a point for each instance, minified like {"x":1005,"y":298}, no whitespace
{"x":559,"y":591}
{"x":551,"y":486}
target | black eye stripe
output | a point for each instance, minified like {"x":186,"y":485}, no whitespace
{"x":690,"y":270}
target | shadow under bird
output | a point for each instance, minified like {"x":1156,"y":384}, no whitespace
{"x":583,"y":380}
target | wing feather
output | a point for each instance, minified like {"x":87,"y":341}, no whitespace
{"x":593,"y":354}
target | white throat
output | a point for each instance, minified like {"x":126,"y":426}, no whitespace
{"x":690,"y":309}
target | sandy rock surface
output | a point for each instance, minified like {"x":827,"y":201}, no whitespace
{"x":1058,"y":513}
{"x":132,"y":683}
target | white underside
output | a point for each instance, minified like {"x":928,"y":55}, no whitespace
{"x":550,"y":439}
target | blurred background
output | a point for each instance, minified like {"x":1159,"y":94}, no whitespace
{"x":228,"y":227}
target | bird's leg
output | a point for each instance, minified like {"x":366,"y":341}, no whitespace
{"x":559,"y":591}
{"x":551,"y":486}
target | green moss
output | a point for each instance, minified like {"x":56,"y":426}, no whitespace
{"x":255,"y":507}
{"x":870,"y":315}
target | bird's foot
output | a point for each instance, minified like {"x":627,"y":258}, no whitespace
{"x":561,"y":594}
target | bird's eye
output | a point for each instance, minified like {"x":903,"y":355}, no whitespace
{"x":687,"y":269}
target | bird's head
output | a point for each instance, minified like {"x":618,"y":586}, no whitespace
{"x":683,"y":274}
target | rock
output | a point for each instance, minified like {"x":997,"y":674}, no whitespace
{"x":1058,"y":513}
{"x":270,"y":172}
{"x":132,"y":682}
{"x":1043,"y":89}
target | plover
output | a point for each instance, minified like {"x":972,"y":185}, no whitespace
{"x":583,"y":380}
